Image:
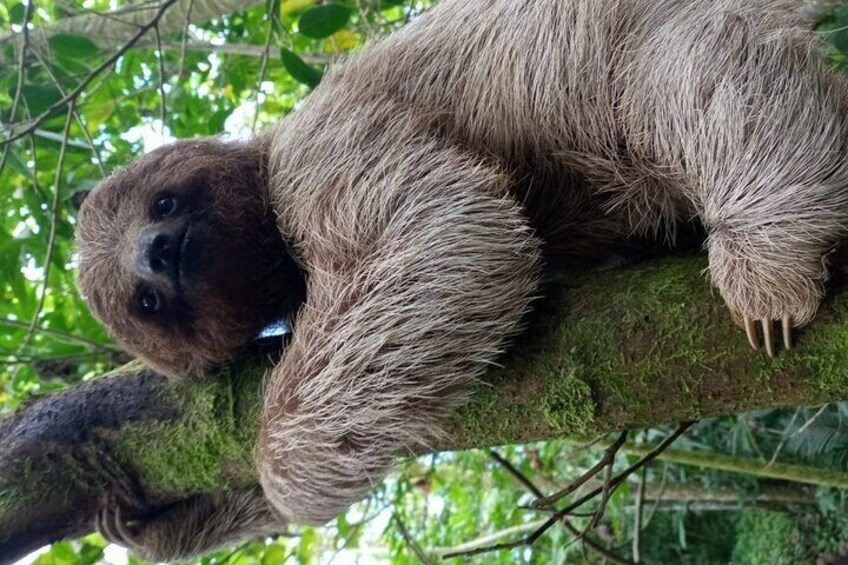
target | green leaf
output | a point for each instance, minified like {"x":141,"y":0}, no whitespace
{"x":38,"y":97}
{"x":298,"y":69}
{"x":274,"y":554}
{"x":60,"y":554}
{"x":10,"y":265}
{"x":17,"y":13}
{"x":324,"y":20}
{"x":70,"y":46}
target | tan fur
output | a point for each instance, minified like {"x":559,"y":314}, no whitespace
{"x":669,"y":109}
{"x":408,"y":183}
{"x":194,"y":527}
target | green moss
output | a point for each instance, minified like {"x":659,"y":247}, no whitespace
{"x":567,"y":405}
{"x":641,"y":345}
{"x":209,"y":446}
{"x":764,"y":536}
{"x":486,"y":417}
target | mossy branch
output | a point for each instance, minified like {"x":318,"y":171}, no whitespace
{"x":633,"y":347}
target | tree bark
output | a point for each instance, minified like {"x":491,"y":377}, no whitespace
{"x":633,"y":347}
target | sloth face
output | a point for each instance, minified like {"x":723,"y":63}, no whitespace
{"x":180,"y":257}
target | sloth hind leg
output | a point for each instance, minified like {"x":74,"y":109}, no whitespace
{"x":747,"y":113}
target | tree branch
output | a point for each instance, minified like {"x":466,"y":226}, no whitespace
{"x":633,"y":347}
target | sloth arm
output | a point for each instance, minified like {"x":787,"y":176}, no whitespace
{"x":418,"y":271}
{"x":192,"y":527}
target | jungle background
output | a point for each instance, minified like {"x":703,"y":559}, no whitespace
{"x":82,"y":91}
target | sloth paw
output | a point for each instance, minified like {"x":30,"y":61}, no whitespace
{"x":768,"y":332}
{"x":768,"y":293}
{"x":117,"y":530}
{"x":769,"y":317}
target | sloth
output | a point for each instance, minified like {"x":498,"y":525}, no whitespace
{"x":399,"y":217}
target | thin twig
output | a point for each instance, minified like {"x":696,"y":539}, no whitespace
{"x":607,"y":459}
{"x":644,"y":460}
{"x":263,"y":65}
{"x":535,"y":491}
{"x":809,"y":422}
{"x":410,"y":541}
{"x":370,"y":30}
{"x":163,"y":111}
{"x":582,"y":446}
{"x":242,"y":49}
{"x":72,"y":96}
{"x":21,"y":75}
{"x":181,"y":66}
{"x":352,"y":531}
{"x":658,"y":499}
{"x":77,"y":116}
{"x":111,"y":16}
{"x":516,"y":474}
{"x":33,"y":171}
{"x":607,"y":490}
{"x":637,"y":518}
{"x":29,"y":359}
{"x":559,"y":514}
{"x":784,"y":437}
{"x":487,"y":539}
{"x":54,"y":221}
{"x":63,"y":335}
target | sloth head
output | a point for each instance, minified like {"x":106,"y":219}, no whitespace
{"x":180,"y":256}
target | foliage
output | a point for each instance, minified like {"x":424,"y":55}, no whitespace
{"x":49,"y":340}
{"x":767,"y":537}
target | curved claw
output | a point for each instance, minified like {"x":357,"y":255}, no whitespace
{"x":787,"y":332}
{"x":768,"y":329}
{"x":114,"y":529}
{"x":768,"y":336}
{"x":751,"y":330}
{"x":103,"y":522}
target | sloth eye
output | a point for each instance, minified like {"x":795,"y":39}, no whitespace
{"x":148,"y":301}
{"x":164,"y":206}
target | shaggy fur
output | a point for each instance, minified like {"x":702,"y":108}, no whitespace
{"x":415,"y":184}
{"x":193,"y":527}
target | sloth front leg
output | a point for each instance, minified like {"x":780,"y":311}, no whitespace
{"x":418,"y":273}
{"x":192,"y":527}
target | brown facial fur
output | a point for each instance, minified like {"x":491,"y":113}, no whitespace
{"x":408,"y":182}
{"x":236,"y":274}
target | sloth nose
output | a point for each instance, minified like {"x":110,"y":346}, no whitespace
{"x":158,"y":254}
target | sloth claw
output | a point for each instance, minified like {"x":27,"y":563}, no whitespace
{"x":751,"y":330}
{"x":768,"y":336}
{"x":768,"y":333}
{"x":787,"y":332}
{"x":114,"y":529}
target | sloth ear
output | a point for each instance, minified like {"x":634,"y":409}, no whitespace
{"x":78,"y":197}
